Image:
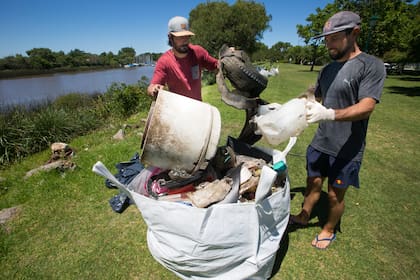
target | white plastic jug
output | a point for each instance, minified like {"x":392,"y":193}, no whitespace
{"x":181,"y":133}
{"x":277,"y":123}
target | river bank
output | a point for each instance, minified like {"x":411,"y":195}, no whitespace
{"x":25,"y":132}
{"x":47,"y":87}
{"x":24,"y":73}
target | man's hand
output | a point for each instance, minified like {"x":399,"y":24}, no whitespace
{"x":315,"y":112}
{"x":153,"y":89}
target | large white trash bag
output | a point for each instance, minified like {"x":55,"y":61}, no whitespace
{"x":224,"y":241}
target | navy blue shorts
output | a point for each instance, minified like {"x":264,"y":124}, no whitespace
{"x":341,"y":173}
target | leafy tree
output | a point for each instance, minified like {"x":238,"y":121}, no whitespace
{"x":14,"y":63}
{"x":155,"y":56}
{"x":108,"y":59}
{"x":395,"y":56}
{"x":278,"y":52}
{"x":41,"y":58}
{"x":217,"y":23}
{"x":126,"y":55}
{"x":60,"y":59}
{"x":387,"y":25}
{"x":413,"y":54}
{"x":262,"y":53}
{"x":307,"y":32}
{"x":76,"y":58}
{"x":299,"y":54}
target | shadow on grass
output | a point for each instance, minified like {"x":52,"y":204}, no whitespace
{"x":408,"y":91}
{"x":281,"y":253}
{"x":308,"y":71}
{"x":320,"y":211}
{"x":410,"y":79}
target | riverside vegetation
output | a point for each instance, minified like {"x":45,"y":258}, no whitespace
{"x":65,"y":228}
{"x":28,"y":130}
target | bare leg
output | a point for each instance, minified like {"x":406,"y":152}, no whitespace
{"x":312,"y":195}
{"x":336,"y":210}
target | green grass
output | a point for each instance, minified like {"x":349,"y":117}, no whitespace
{"x":67,"y":230}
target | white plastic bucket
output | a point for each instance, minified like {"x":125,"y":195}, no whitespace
{"x":181,"y":133}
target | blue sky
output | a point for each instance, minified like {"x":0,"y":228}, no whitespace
{"x":97,"y":26}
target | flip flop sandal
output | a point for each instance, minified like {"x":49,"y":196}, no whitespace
{"x":329,"y":239}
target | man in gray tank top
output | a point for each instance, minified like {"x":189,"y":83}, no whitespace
{"x":349,"y":89}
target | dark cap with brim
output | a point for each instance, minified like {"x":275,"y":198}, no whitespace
{"x":340,"y":22}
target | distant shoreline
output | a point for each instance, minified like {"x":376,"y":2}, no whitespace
{"x":26,"y":73}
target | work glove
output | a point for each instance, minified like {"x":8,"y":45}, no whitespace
{"x":315,"y":112}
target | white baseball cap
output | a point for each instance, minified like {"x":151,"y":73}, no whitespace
{"x":178,"y":26}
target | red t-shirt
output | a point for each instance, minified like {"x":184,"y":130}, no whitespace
{"x":183,"y":75}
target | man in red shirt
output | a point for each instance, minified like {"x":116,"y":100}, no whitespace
{"x":180,"y":67}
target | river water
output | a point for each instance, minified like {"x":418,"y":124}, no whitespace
{"x":30,"y":90}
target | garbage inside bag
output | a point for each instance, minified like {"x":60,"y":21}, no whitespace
{"x":142,"y":182}
{"x":210,"y":192}
{"x":231,"y":176}
{"x":224,"y":240}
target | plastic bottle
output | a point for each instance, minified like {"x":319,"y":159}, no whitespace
{"x":281,"y":168}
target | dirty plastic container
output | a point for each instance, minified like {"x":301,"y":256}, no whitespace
{"x":181,"y":133}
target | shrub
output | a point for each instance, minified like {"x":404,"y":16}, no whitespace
{"x":27,"y":130}
{"x":24,"y":132}
{"x":208,"y":78}
{"x":11,"y":131}
{"x":124,"y":100}
{"x":73,"y":101}
{"x":48,"y":126}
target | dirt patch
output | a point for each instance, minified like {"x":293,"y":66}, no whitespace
{"x":6,"y":215}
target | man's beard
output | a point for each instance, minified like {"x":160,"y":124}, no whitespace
{"x":336,"y":56}
{"x":340,"y":53}
{"x":182,"y":49}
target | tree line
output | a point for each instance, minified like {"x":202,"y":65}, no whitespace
{"x":390,"y":30}
{"x":40,"y":60}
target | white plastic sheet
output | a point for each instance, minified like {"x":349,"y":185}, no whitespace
{"x":277,"y":123}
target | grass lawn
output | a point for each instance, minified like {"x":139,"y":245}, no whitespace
{"x":65,"y":228}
